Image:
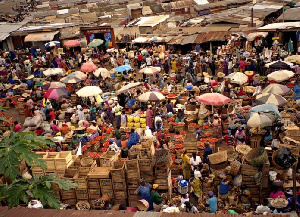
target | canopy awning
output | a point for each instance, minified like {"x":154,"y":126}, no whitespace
{"x":41,"y":36}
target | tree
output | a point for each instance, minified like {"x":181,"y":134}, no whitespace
{"x":19,"y":147}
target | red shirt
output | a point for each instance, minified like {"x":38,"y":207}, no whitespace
{"x":39,"y":132}
{"x":140,"y":57}
{"x":17,"y":128}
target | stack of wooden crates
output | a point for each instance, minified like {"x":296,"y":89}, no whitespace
{"x":118,"y":175}
{"x":133,"y":180}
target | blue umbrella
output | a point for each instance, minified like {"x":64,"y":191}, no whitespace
{"x":52,"y":44}
{"x":123,"y":68}
{"x":268,"y":107}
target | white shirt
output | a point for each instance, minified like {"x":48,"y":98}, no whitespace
{"x":149,"y":61}
{"x":275,"y":143}
{"x":261,"y":209}
{"x":195,"y":162}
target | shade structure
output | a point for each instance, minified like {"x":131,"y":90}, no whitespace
{"x":53,"y":85}
{"x":79,"y":74}
{"x":293,"y":59}
{"x":279,"y":65}
{"x":140,"y":40}
{"x":261,"y":120}
{"x":53,"y":71}
{"x":88,"y":67}
{"x":151,"y":97}
{"x":270,"y":98}
{"x":56,"y":93}
{"x":276,"y":89}
{"x":150,"y":70}
{"x":52,"y":44}
{"x":72,"y":43}
{"x":128,"y":87}
{"x":213,"y":99}
{"x":123,"y":68}
{"x":267,"y":108}
{"x":89,"y":91}
{"x":95,"y":43}
{"x":281,"y":75}
{"x":103,"y":72}
{"x":70,"y":80}
{"x":238,"y":78}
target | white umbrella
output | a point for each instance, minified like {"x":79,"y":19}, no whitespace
{"x":78,"y":74}
{"x":238,"y":78}
{"x":270,"y":98}
{"x":150,"y":70}
{"x":151,"y":96}
{"x":53,"y":71}
{"x":276,"y":89}
{"x":261,"y":120}
{"x":128,"y":86}
{"x":89,"y":91}
{"x":140,"y":40}
{"x":103,"y":72}
{"x":281,"y":75}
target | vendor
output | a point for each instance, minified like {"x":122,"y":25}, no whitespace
{"x":133,"y":138}
{"x":113,"y":146}
{"x":145,"y":193}
{"x":156,"y":198}
{"x":212,"y":202}
{"x":240,"y":136}
{"x":186,"y":166}
{"x":190,"y":208}
{"x":180,"y":116}
{"x":195,"y":160}
{"x":197,"y":184}
{"x":276,"y":193}
{"x":223,"y":188}
{"x":207,"y":152}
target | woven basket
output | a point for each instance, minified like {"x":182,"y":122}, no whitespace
{"x":218,"y":157}
{"x":219,"y":166}
{"x":257,"y":157}
{"x":235,"y":167}
{"x":86,"y":162}
{"x":243,"y":149}
{"x":83,"y":203}
{"x":274,"y":155}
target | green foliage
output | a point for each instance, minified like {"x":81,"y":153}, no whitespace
{"x":41,"y":188}
{"x":18,"y":147}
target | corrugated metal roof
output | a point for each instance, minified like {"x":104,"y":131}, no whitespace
{"x":152,"y":21}
{"x":210,"y":36}
{"x":189,"y":39}
{"x":292,"y":14}
{"x":41,"y":36}
{"x":6,"y":29}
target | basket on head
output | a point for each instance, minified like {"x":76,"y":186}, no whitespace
{"x":218,"y":157}
{"x":257,"y":157}
{"x":142,"y":205}
{"x":86,"y":162}
{"x":83,"y":205}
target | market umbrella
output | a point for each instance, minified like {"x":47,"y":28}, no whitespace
{"x":70,"y":80}
{"x":293,"y":59}
{"x":95,"y":43}
{"x":150,"y":70}
{"x":276,"y":89}
{"x":213,"y":99}
{"x":281,"y":75}
{"x":151,"y":96}
{"x":56,"y":93}
{"x":53,"y":71}
{"x":237,"y":78}
{"x":279,"y":65}
{"x":53,"y":85}
{"x":78,"y":74}
{"x":123,"y":68}
{"x":72,"y":43}
{"x":103,"y":72}
{"x":88,"y":67}
{"x":52,"y":44}
{"x":270,"y":98}
{"x":89,"y":91}
{"x":267,"y":108}
{"x":261,"y":120}
{"x":128,"y":87}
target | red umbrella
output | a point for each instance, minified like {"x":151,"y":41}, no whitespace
{"x":213,"y":99}
{"x":88,"y":67}
{"x":56,"y":93}
{"x":72,"y":43}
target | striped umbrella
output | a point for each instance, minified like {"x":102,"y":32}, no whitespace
{"x":70,"y":80}
{"x":52,"y":44}
{"x":213,"y":99}
{"x":56,"y":93}
{"x":276,"y":89}
{"x":261,"y":120}
{"x":270,"y":98}
{"x":151,"y":96}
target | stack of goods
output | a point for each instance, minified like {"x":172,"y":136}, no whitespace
{"x":130,"y":122}
{"x":119,"y":182}
{"x":143,"y":121}
{"x":218,"y":161}
{"x":20,"y":106}
{"x":133,"y":180}
{"x":108,"y":158}
{"x":248,"y":173}
{"x":134,"y":122}
{"x":95,"y":180}
{"x":146,"y":170}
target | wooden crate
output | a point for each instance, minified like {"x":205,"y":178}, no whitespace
{"x":71,"y":171}
{"x":80,"y":180}
{"x":109,"y":193}
{"x":164,"y":181}
{"x":99,"y":173}
{"x":226,"y":148}
{"x":59,"y":173}
{"x":133,"y":174}
{"x":133,"y":184}
{"x":120,"y":201}
{"x":93,"y":183}
{"x":50,"y":160}
{"x":118,"y":173}
{"x":82,"y":194}
{"x":76,"y":160}
{"x":132,"y":203}
{"x":132,"y":164}
{"x":37,"y":172}
{"x":43,"y":156}
{"x":147,"y":175}
{"x":86,"y":170}
{"x":105,"y":184}
{"x":145,"y":164}
{"x":94,"y":193}
{"x":71,"y":202}
{"x":120,"y":194}
{"x":68,"y":194}
{"x":62,"y":160}
{"x":107,"y":159}
{"x":119,"y":185}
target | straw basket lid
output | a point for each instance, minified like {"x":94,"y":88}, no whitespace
{"x":221,"y":75}
{"x":142,"y":205}
{"x":206,"y":74}
{"x":243,"y":149}
{"x":249,"y":73}
{"x":279,"y":203}
{"x":218,"y":157}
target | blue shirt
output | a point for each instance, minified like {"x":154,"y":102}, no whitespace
{"x":224,"y":188}
{"x":213,"y":204}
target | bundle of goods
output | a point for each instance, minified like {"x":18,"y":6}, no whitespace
{"x":83,"y":205}
{"x":218,"y":160}
{"x":257,"y":157}
{"x":284,"y":158}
